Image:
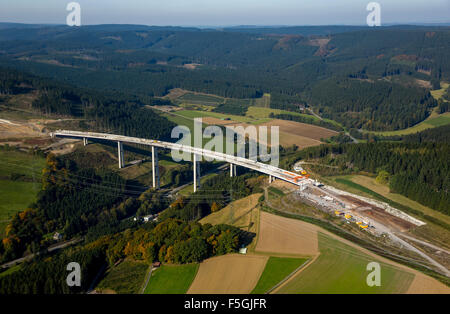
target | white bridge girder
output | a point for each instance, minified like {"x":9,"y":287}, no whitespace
{"x":234,"y":161}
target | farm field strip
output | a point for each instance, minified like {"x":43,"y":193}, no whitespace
{"x":286,"y":236}
{"x":335,"y":271}
{"x":276,"y":270}
{"x":228,"y":274}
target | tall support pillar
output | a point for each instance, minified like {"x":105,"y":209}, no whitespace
{"x":196,"y":173}
{"x":270,"y":179}
{"x":231,"y":170}
{"x":120,"y":154}
{"x":234,"y":170}
{"x":85,"y":141}
{"x":155,"y":167}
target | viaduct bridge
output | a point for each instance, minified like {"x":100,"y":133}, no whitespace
{"x":271,"y":171}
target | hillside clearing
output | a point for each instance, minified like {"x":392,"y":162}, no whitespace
{"x":127,"y":277}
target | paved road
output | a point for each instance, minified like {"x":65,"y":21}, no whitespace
{"x":424,"y":243}
{"x":149,"y":275}
{"x":30,"y":256}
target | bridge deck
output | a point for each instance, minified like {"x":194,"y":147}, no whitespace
{"x":279,"y":173}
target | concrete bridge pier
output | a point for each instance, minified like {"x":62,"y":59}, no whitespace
{"x":196,"y":173}
{"x":85,"y":141}
{"x":155,"y":167}
{"x":231,"y":170}
{"x":270,"y":179}
{"x":120,"y":154}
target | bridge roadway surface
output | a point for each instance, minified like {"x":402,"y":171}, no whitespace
{"x":270,"y":170}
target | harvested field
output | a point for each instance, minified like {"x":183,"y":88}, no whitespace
{"x":301,"y":129}
{"x":379,"y":214}
{"x":286,"y":236}
{"x":285,"y":138}
{"x":217,"y":121}
{"x":427,"y":285}
{"x":228,"y":274}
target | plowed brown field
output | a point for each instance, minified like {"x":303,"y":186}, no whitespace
{"x":286,"y":236}
{"x":228,"y":274}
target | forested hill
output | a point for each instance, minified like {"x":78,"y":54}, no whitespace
{"x":113,"y":112}
{"x":401,"y":64}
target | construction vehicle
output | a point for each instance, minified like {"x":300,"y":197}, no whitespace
{"x":317,"y":183}
{"x":303,"y":172}
{"x":359,"y":223}
{"x":363,"y":226}
{"x":348,"y":216}
{"x":337,"y":213}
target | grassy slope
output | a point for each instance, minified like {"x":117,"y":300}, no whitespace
{"x":17,"y":195}
{"x":10,"y":270}
{"x":277,"y":268}
{"x":233,"y":211}
{"x":127,"y":277}
{"x":171,"y":279}
{"x":189,"y":189}
{"x":342,"y":269}
{"x":20,"y":163}
{"x":182,"y":118}
{"x":199,"y":114}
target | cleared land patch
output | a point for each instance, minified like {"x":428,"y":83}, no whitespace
{"x":438,"y":93}
{"x":302,"y":129}
{"x":383,"y":190}
{"x":171,"y":279}
{"x":228,"y":274}
{"x":286,"y":236}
